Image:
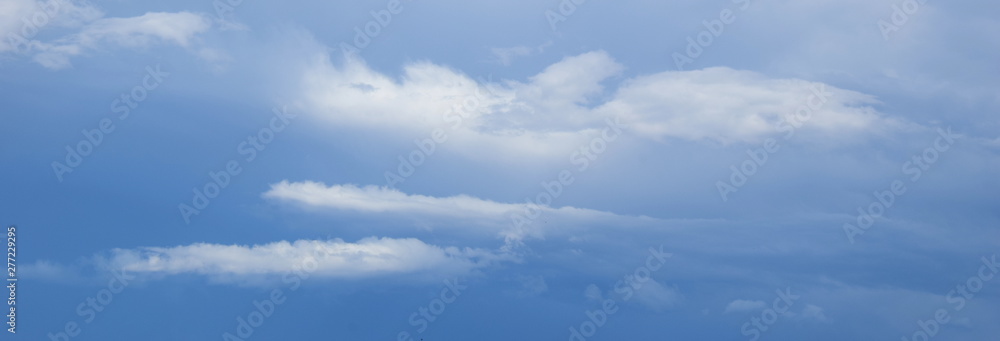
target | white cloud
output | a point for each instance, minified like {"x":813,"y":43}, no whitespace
{"x":381,"y":199}
{"x":177,"y":28}
{"x":815,"y":313}
{"x":21,"y":21}
{"x":505,"y":55}
{"x":559,"y":98}
{"x":479,"y":114}
{"x":530,"y":286}
{"x":11,"y":14}
{"x":567,"y":103}
{"x":368,"y":257}
{"x":725,"y":105}
{"x":740,"y":306}
{"x":490,"y":216}
{"x":651,"y":294}
{"x":593,"y":293}
{"x":49,"y":271}
{"x":150,"y":28}
{"x":656,"y":296}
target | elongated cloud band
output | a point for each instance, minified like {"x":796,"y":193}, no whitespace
{"x":381,"y":199}
{"x":368,"y":257}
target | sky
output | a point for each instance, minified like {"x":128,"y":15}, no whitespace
{"x":500,"y":170}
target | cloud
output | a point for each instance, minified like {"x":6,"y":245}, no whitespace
{"x":49,"y":271}
{"x":376,"y":199}
{"x":593,"y":293}
{"x":740,"y":306}
{"x":428,"y":97}
{"x":177,"y":28}
{"x":815,"y":313}
{"x":21,"y":20}
{"x":369,"y":257}
{"x":727,"y":106}
{"x":657,"y":297}
{"x":567,"y":103}
{"x":530,"y":286}
{"x":505,"y":55}
{"x":490,"y":216}
{"x":145,"y":30}
{"x":651,"y":294}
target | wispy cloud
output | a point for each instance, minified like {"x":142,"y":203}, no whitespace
{"x":22,"y":21}
{"x":369,"y":257}
{"x":742,"y":306}
{"x":489,"y":216}
{"x":150,"y":28}
{"x":506,"y":55}
{"x":381,"y":199}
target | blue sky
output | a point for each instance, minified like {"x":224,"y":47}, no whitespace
{"x":502,"y":170}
